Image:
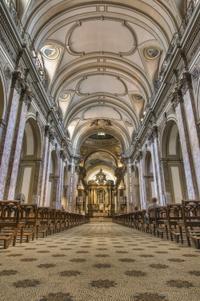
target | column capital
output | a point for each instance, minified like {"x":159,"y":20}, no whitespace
{"x":177,"y":97}
{"x":185,"y":82}
{"x":26,"y":96}
{"x":139,"y":155}
{"x":17,"y":81}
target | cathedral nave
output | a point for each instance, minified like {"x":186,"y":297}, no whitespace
{"x":99,"y":150}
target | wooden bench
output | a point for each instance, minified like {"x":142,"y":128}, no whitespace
{"x":9,"y":222}
{"x":42,"y":221}
{"x":161,"y":227}
{"x":191,"y":221}
{"x":28,"y":216}
{"x":174,"y":219}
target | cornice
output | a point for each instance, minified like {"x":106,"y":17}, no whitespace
{"x":169,"y":89}
{"x":14,"y":43}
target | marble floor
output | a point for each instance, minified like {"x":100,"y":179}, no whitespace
{"x":100,"y":261}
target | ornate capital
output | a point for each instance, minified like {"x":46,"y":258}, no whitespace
{"x":17,"y":81}
{"x":26,"y":96}
{"x":62,"y":154}
{"x":47,"y":129}
{"x":177,"y":97}
{"x":139,"y":155}
{"x":195,"y":73}
{"x":185,"y":82}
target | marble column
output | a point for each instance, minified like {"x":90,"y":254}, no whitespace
{"x":130,"y":204}
{"x":191,"y":120}
{"x":7,"y":138}
{"x":60,"y":184}
{"x":2,"y":128}
{"x":143,"y":194}
{"x":158,"y":173}
{"x":192,"y":188}
{"x":46,"y":201}
{"x":73,"y":179}
{"x":15,"y":154}
{"x":45,"y":163}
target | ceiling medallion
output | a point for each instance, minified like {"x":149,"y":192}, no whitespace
{"x":65,"y":97}
{"x":137,"y":97}
{"x":151,"y":53}
{"x":50,"y":52}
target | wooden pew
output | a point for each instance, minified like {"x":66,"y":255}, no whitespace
{"x":191,"y":221}
{"x":28,"y":216}
{"x":42,"y":226}
{"x":152,"y":220}
{"x":174,"y":217}
{"x":9,"y":222}
{"x":161,"y":226}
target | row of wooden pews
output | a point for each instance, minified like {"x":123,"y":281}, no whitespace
{"x":177,"y":222}
{"x":24,"y":222}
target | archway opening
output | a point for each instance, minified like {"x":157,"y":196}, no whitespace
{"x":29,"y":169}
{"x":98,"y":178}
{"x":173,"y":164}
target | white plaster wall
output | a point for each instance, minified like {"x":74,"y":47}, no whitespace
{"x":176,"y":184}
{"x":26,"y":182}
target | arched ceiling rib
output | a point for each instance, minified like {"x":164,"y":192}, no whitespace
{"x":102,"y":59}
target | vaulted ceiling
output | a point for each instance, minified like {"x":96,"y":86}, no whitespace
{"x":102,"y":58}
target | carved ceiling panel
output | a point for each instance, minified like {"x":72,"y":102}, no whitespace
{"x":101,"y":35}
{"x":101,"y":83}
{"x":102,"y":59}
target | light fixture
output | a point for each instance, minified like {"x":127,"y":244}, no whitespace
{"x":101,"y":134}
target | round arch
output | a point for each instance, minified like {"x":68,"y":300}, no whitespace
{"x":172,"y":159}
{"x":101,"y":151}
{"x":30,"y":162}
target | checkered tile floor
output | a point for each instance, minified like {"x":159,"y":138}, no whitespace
{"x":103,"y":262}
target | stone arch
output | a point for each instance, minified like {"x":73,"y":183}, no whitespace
{"x":173,"y":167}
{"x":30,"y":162}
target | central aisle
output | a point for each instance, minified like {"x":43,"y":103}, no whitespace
{"x":100,"y":261}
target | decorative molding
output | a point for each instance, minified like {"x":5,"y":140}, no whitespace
{"x":79,"y":23}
